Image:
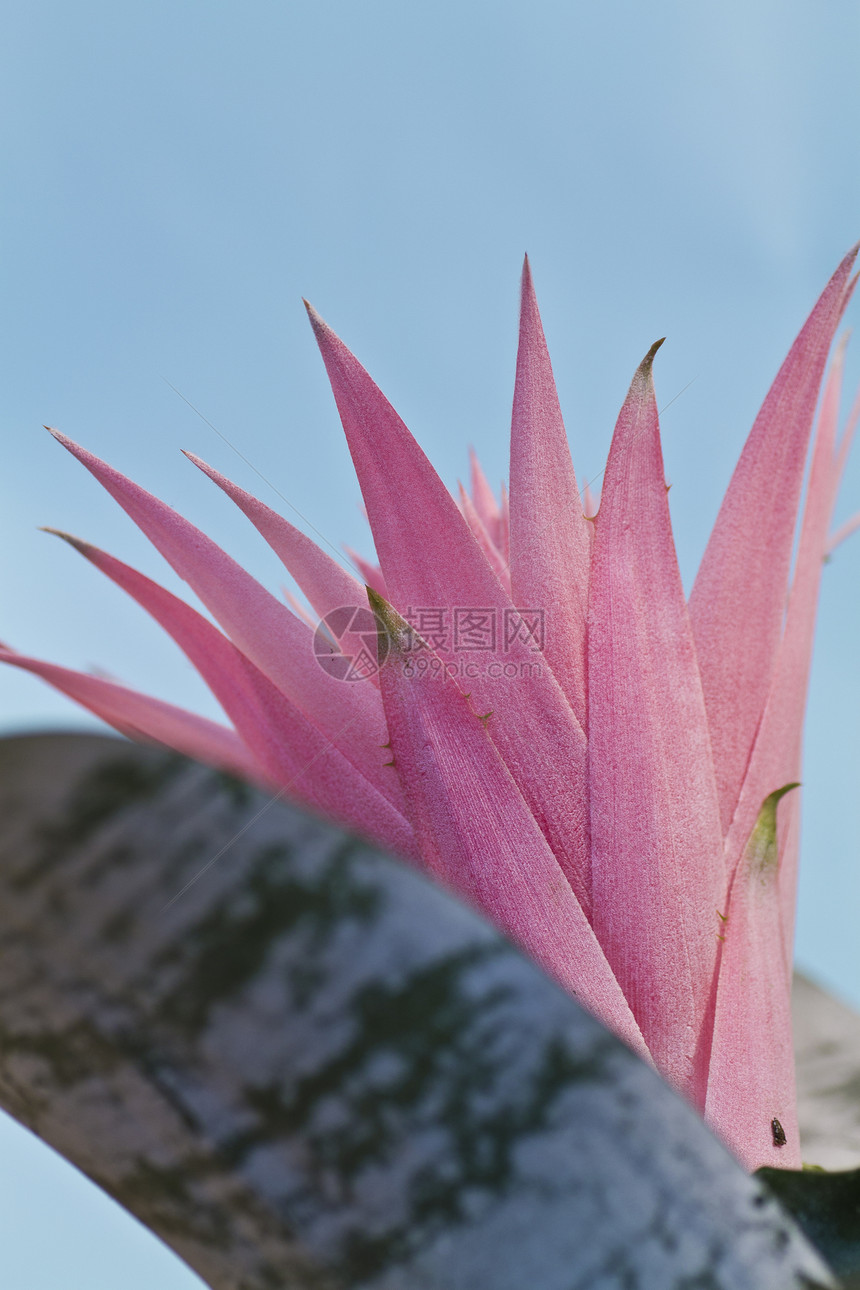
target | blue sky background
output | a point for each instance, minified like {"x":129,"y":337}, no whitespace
{"x":177,"y":175}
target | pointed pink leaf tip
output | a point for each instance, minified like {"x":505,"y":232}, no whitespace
{"x":549,"y":543}
{"x":318,"y":323}
{"x":656,"y":842}
{"x":737,"y":604}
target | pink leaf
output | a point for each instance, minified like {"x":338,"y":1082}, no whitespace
{"x":371,"y":573}
{"x":431,"y":560}
{"x":482,"y":537}
{"x":848,"y":436}
{"x":483,"y":499}
{"x":505,"y":528}
{"x":141,"y":717}
{"x":476,"y":833}
{"x":325,"y":583}
{"x":776,"y":754}
{"x":548,"y":534}
{"x":844,"y":531}
{"x":751,"y":1101}
{"x":260,"y":626}
{"x":293,"y":753}
{"x":738,"y":599}
{"x":300,"y":610}
{"x":657,"y":865}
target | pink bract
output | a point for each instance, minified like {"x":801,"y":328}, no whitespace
{"x":609,"y":771}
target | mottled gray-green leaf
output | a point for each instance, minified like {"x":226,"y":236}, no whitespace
{"x":304,"y":1066}
{"x":827,"y":1208}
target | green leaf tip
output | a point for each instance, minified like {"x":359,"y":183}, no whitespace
{"x":648,"y":361}
{"x":394,"y":632}
{"x":762,"y":851}
{"x":642,"y":378}
{"x":77,"y":543}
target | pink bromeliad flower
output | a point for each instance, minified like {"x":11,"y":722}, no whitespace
{"x":553,"y":730}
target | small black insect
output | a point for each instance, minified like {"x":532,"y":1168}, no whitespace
{"x":778,"y":1132}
